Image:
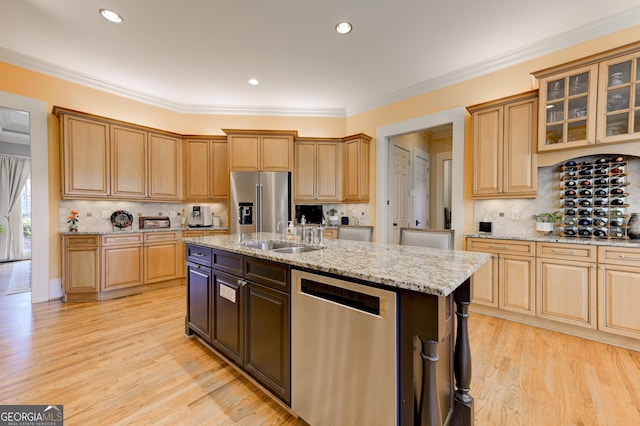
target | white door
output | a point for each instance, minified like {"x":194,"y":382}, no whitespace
{"x":443,"y":189}
{"x":399,"y":165}
{"x":421,"y":190}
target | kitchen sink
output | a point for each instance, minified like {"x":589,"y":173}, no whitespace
{"x":280,"y":246}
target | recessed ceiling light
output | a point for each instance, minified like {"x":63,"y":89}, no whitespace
{"x":254,"y":81}
{"x":110,"y":15}
{"x":344,"y":27}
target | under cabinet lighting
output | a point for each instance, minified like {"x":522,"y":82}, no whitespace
{"x":111,"y":16}
{"x":254,"y":81}
{"x":344,"y":27}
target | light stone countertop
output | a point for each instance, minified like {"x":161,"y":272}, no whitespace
{"x":110,"y":230}
{"x":425,"y":270}
{"x":559,"y":239}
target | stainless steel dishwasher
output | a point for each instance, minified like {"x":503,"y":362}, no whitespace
{"x":343,"y":352}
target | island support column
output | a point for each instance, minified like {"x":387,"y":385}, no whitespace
{"x":463,"y":404}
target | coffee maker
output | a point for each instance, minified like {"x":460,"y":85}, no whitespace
{"x":200,"y":216}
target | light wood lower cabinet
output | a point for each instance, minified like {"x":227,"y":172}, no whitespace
{"x":81,"y":267}
{"x":508,"y":280}
{"x":121,"y":261}
{"x":162,"y":256}
{"x":566,"y":283}
{"x":96,"y":267}
{"x":619,"y":291}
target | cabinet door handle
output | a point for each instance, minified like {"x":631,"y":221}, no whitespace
{"x":242,"y":283}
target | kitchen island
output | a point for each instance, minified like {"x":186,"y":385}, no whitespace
{"x":425,"y":284}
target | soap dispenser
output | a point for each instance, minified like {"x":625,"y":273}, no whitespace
{"x":291,"y":232}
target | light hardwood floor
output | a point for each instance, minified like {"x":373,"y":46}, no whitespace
{"x":127,"y":361}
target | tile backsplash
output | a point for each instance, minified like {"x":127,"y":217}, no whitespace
{"x":96,"y":215}
{"x":501,"y":212}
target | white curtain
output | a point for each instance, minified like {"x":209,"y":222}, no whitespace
{"x":14,"y":172}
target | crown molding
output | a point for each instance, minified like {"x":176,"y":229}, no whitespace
{"x":531,"y":51}
{"x":566,"y":39}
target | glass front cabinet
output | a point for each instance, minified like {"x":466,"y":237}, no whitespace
{"x":568,"y":109}
{"x":596,"y":101}
{"x":619,"y":90}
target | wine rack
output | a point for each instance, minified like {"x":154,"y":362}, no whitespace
{"x":594,"y":198}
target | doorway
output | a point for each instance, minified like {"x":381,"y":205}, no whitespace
{"x":39,"y":169}
{"x":455,"y":118}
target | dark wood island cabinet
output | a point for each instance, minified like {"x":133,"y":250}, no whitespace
{"x":251,"y":295}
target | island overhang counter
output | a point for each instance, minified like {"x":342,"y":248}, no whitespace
{"x":427,"y":283}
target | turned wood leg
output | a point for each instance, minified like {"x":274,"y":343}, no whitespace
{"x":463,"y":404}
{"x":429,"y":407}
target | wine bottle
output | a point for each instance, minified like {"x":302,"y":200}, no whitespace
{"x":615,"y":213}
{"x":583,"y":232}
{"x":584,"y":212}
{"x":569,"y":232}
{"x":570,"y":193}
{"x":584,"y":222}
{"x":600,"y":192}
{"x":585,"y":192}
{"x":616,"y":170}
{"x":570,"y":163}
{"x":618,"y":159}
{"x":601,"y":182}
{"x":569,"y":222}
{"x":601,"y":160}
{"x":569,"y":202}
{"x":585,"y":182}
{"x":617,"y":191}
{"x":585,"y":202}
{"x":570,"y":212}
{"x":617,"y":202}
{"x":571,"y":173}
{"x":616,"y":232}
{"x":600,"y":233}
{"x":599,"y":213}
{"x":616,"y":222}
{"x":599,"y":222}
{"x":585,"y":172}
{"x":570,"y":183}
{"x":616,"y":181}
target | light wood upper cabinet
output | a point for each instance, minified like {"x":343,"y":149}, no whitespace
{"x":318,"y":171}
{"x":356,"y":168}
{"x":105,"y":158}
{"x":591,"y":101}
{"x":85,"y":156}
{"x":260,"y":150}
{"x":128,"y":162}
{"x":504,"y":140}
{"x":165,"y":167}
{"x":206,"y":169}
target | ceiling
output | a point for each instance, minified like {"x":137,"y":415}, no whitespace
{"x":196,"y":56}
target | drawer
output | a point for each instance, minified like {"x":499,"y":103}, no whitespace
{"x":193,"y":234}
{"x":81,"y":240}
{"x":619,"y":256}
{"x":265,"y":272}
{"x":199,"y":255}
{"x":157,"y":237}
{"x":567,"y":251}
{"x":230,"y":263}
{"x":114,"y":239}
{"x":524,"y":248}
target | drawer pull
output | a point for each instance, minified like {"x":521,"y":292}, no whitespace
{"x":494,"y":246}
{"x":572,"y":252}
{"x":621,"y":256}
{"x":197,"y":254}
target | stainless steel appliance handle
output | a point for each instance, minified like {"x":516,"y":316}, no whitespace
{"x":258,"y":213}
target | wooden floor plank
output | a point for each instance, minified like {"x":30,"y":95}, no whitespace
{"x":127,"y":362}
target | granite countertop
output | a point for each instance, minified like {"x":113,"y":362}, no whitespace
{"x":432,"y":271}
{"x":110,"y":230}
{"x":559,"y":239}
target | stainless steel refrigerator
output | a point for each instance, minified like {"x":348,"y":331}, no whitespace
{"x":258,"y":201}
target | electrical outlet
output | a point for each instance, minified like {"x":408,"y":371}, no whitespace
{"x":501,"y":214}
{"x":89,"y":214}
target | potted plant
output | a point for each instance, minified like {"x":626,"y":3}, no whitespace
{"x":546,"y":221}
